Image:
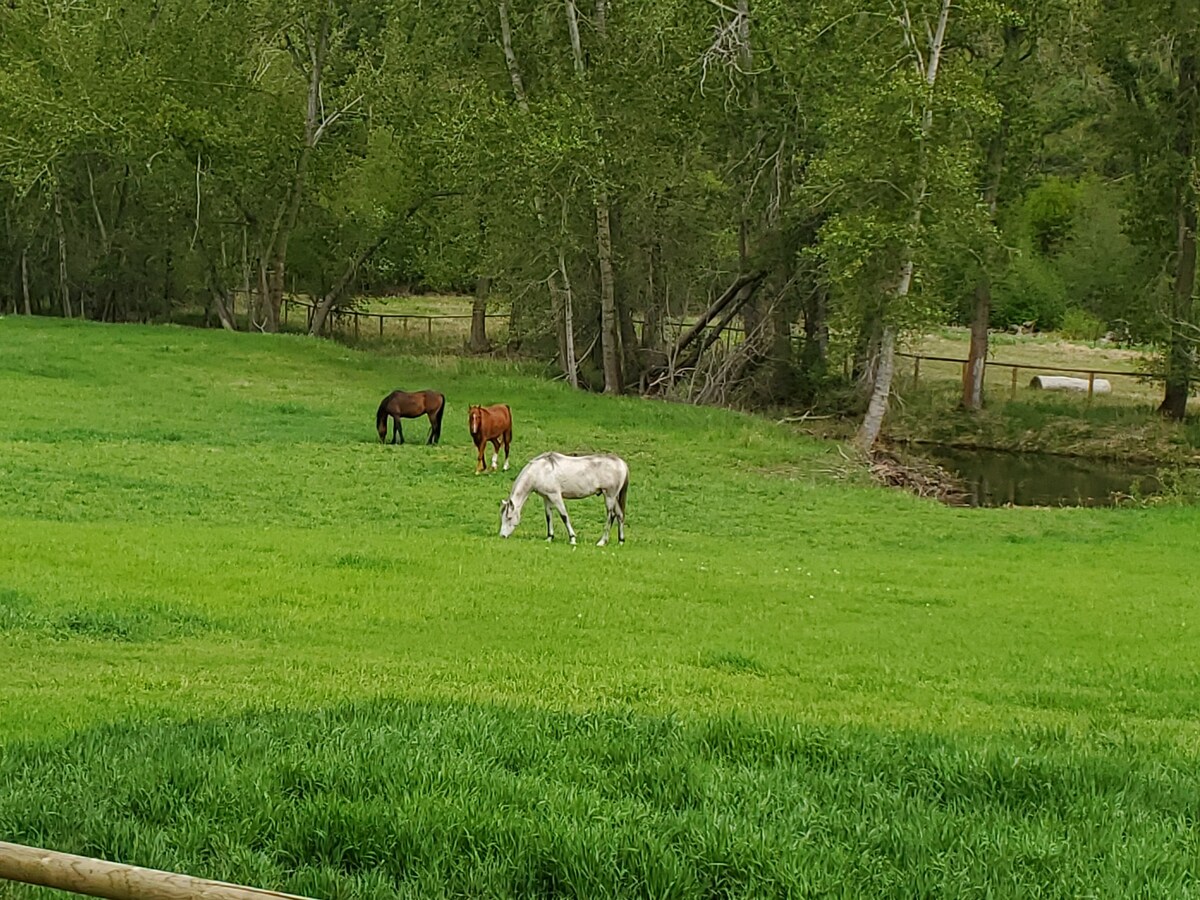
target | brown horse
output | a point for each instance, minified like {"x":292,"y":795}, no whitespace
{"x":490,"y":423}
{"x":402,"y":405}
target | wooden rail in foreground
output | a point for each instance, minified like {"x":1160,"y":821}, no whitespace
{"x":98,"y":878}
{"x":1077,"y":370}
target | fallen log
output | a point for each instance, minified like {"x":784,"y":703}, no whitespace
{"x":1063,"y":383}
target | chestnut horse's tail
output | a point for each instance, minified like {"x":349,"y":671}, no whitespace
{"x":436,"y":419}
{"x":381,"y":418}
{"x":621,"y":493}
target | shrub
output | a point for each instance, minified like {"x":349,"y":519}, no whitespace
{"x":1081,"y":325}
{"x":1028,"y":291}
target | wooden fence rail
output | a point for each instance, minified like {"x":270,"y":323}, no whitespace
{"x":357,"y":314}
{"x":98,"y":878}
{"x":1077,"y":370}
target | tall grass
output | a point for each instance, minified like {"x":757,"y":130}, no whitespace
{"x":419,"y":800}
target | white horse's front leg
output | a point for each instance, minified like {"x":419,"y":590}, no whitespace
{"x":562,"y":511}
{"x":549,"y":519}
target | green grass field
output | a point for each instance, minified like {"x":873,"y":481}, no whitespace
{"x":241,"y":639}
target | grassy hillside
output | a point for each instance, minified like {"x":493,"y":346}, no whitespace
{"x":240,"y":638}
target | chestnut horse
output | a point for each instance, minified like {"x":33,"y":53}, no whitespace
{"x":490,"y":423}
{"x":402,"y":405}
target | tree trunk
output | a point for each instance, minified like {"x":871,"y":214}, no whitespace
{"x":652,"y":329}
{"x":741,"y":299}
{"x":568,"y":320}
{"x":1179,"y":355}
{"x":318,"y":48}
{"x":610,"y":337}
{"x":25,"y":280}
{"x":573,"y":32}
{"x":479,"y":340}
{"x":972,"y":397}
{"x":63,"y":287}
{"x":510,"y":58}
{"x":868,"y":431}
{"x":872,"y":422}
{"x":629,"y":341}
{"x":718,"y":305}
{"x":562,"y":299}
{"x":814,"y":356}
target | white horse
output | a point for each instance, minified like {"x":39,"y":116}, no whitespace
{"x":558,"y":477}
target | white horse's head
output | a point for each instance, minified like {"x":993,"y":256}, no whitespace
{"x":510,"y":518}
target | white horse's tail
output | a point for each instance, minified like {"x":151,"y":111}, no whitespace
{"x":621,"y":493}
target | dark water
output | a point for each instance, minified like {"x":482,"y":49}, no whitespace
{"x":996,"y":478}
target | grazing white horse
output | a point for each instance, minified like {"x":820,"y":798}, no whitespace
{"x":558,"y":477}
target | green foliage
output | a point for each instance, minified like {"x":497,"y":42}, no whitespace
{"x":1048,"y":212}
{"x":1080,"y":325}
{"x":1029,"y":290}
{"x":1172,"y":486}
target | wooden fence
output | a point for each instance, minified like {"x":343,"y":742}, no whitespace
{"x":98,"y":878}
{"x":1016,"y":367}
{"x":357,"y":315}
{"x":729,"y":336}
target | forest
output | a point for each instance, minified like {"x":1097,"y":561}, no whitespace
{"x":627,"y":179}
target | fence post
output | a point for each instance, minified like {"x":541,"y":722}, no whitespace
{"x":429,"y":323}
{"x":381,"y":325}
{"x":916,"y":371}
{"x":356,"y":326}
{"x":286,"y":305}
{"x":1091,"y":384}
{"x":1012,"y":393}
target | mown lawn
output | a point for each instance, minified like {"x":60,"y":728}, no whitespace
{"x":239,"y":638}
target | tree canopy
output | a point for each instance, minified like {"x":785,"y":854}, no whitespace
{"x":827,"y":176}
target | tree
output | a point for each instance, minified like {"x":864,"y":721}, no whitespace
{"x":1150,"y":51}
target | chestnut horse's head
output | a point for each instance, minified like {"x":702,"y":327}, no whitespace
{"x":474,"y":419}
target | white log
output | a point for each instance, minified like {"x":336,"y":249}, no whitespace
{"x":1062,"y":383}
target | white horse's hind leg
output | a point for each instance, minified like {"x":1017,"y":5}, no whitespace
{"x":549,"y":519}
{"x":610,"y":504}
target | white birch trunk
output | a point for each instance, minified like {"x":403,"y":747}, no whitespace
{"x":568,"y":315}
{"x":563,"y":295}
{"x":25,"y":280}
{"x":868,"y":431}
{"x":63,"y":287}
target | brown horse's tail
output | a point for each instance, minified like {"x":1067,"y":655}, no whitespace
{"x":381,"y":420}
{"x":621,"y":493}
{"x":437,"y":419}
